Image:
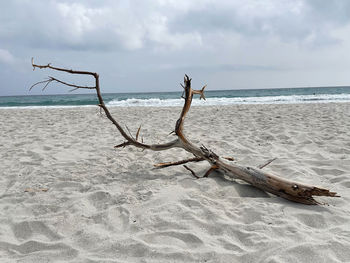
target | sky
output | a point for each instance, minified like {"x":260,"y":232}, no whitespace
{"x":148,"y":45}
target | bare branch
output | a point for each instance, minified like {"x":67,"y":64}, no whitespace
{"x":287,"y":189}
{"x":52,"y":79}
{"x":192,"y":172}
{"x":200,"y":92}
{"x":211,"y":169}
{"x":71,"y":85}
{"x":138,"y":133}
{"x":80,"y":72}
{"x":129,"y":132}
{"x":122,"y":145}
{"x":163,"y":165}
{"x":38,"y":83}
{"x":266,"y":164}
{"x":47,"y":83}
{"x":129,"y":138}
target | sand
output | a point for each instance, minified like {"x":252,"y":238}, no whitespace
{"x":66,"y":195}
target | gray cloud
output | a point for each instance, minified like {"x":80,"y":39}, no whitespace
{"x":276,"y":42}
{"x":287,"y":20}
{"x":130,"y":25}
{"x":216,"y":68}
{"x":77,"y":25}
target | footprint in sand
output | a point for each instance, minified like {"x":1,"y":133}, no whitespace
{"x":101,"y":199}
{"x":338,"y":179}
{"x":118,"y":218}
{"x":28,"y":229}
{"x":46,"y":250}
{"x":172,"y":238}
{"x":324,"y":171}
{"x":67,"y":184}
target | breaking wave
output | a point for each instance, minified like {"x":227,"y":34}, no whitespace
{"x":156,"y":102}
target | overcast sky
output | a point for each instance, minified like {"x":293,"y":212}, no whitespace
{"x":148,"y":45}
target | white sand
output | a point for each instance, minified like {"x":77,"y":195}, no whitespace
{"x":106,"y":205}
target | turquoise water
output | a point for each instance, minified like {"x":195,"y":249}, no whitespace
{"x":221,"y":97}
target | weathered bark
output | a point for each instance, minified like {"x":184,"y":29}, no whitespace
{"x":287,"y":189}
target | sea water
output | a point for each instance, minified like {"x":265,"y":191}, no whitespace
{"x":164,"y":99}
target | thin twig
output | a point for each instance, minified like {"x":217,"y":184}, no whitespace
{"x":130,"y":132}
{"x":37,"y":83}
{"x":266,"y":164}
{"x":192,"y":172}
{"x":163,"y":165}
{"x":138,"y":133}
{"x":71,"y":85}
{"x":211,"y":169}
{"x":122,"y":144}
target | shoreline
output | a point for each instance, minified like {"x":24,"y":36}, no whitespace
{"x":175,"y":106}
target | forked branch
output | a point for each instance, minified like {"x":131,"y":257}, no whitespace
{"x":287,"y":189}
{"x":52,"y":79}
{"x":130,"y":140}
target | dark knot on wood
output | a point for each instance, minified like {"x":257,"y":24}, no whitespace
{"x":209,"y":153}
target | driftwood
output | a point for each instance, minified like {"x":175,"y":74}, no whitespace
{"x":294,"y":191}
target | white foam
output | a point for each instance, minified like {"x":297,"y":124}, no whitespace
{"x":155,"y":102}
{"x":47,"y":107}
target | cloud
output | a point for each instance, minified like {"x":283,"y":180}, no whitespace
{"x":167,"y":24}
{"x":84,"y":25}
{"x":251,"y":41}
{"x":218,"y":68}
{"x":298,"y":21}
{"x":6,"y":57}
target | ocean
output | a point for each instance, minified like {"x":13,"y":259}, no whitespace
{"x":165,"y":99}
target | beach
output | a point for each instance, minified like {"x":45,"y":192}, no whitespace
{"x":66,"y":195}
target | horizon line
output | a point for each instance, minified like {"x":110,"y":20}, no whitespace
{"x":135,"y":92}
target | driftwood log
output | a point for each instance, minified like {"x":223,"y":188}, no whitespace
{"x":294,"y":191}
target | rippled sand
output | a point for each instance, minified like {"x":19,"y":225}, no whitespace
{"x":67,"y":196}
